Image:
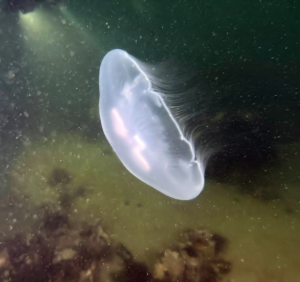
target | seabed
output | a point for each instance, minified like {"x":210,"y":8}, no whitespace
{"x":87,"y":181}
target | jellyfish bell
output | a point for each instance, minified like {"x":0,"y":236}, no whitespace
{"x":147,"y":128}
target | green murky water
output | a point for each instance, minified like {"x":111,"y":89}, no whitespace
{"x":249,"y":55}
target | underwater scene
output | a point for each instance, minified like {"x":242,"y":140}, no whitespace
{"x":149,"y":141}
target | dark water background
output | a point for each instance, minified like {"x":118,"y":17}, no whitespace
{"x":248,"y":53}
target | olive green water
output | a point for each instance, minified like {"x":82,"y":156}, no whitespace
{"x":50,"y":61}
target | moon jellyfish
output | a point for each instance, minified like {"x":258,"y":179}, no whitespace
{"x":144,"y":122}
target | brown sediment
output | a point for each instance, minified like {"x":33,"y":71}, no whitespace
{"x":59,"y":176}
{"x":67,"y":198}
{"x":290,"y":206}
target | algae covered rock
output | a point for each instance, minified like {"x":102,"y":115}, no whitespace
{"x":198,"y":258}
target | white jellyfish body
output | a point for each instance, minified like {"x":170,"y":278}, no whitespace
{"x":143,"y":131}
